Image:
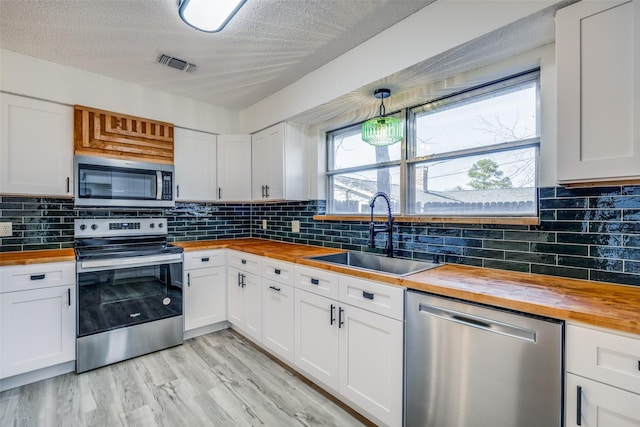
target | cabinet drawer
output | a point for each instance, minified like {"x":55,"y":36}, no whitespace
{"x":245,"y":262}
{"x":317,"y":281}
{"x":36,"y":276}
{"x":279,"y":271}
{"x":607,"y":357}
{"x":600,"y":405}
{"x":377,"y":297}
{"x":204,"y":259}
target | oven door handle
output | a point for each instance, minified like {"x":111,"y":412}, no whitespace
{"x":158,"y":185}
{"x":115,"y":263}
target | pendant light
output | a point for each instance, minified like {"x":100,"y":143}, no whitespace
{"x":381,"y":131}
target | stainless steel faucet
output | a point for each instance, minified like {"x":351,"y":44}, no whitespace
{"x":375,"y":229}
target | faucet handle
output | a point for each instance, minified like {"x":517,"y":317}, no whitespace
{"x":372,"y":235}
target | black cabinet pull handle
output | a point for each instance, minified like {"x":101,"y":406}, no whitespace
{"x":69,"y":297}
{"x":244,"y":261}
{"x":189,"y":279}
{"x":263,"y":191}
{"x":244,"y":276}
{"x":315,"y":281}
{"x":274,"y":288}
{"x":239,"y":279}
{"x":205,"y":259}
{"x":267,"y":191}
{"x":638,"y":365}
{"x":277,"y":271}
{"x":332,"y":314}
{"x":37,"y":276}
{"x":367,"y":295}
{"x":579,"y":407}
{"x":219,"y":193}
{"x":340,"y":322}
{"x":68,"y":184}
{"x":178,"y":191}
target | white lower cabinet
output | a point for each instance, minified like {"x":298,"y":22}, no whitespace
{"x":316,"y":337}
{"x":603,"y":378}
{"x":37,"y":324}
{"x":205,"y":293}
{"x":593,"y":404}
{"x":205,"y":297}
{"x":371,"y":360}
{"x":244,"y":302}
{"x":356,"y":352}
{"x":277,"y":318}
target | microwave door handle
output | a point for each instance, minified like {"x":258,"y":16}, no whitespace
{"x":158,"y":185}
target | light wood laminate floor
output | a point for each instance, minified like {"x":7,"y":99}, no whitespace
{"x":216,"y":379}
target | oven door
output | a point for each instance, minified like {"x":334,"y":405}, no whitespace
{"x":116,"y":293}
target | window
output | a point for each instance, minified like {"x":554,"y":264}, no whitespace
{"x":358,"y":170}
{"x":470,"y":154}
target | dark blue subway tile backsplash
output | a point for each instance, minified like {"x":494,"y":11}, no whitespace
{"x":586,"y":233}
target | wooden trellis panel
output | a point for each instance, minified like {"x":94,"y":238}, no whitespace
{"x":108,"y":134}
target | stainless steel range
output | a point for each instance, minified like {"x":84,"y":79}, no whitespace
{"x":129,"y":290}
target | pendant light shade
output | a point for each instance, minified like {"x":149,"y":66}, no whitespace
{"x":381,"y":131}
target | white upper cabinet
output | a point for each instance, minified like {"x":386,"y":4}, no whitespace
{"x":195,"y":165}
{"x":234,"y":172}
{"x":278,"y":164}
{"x":36,"y":147}
{"x":598,"y":66}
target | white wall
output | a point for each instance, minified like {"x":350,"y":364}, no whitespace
{"x":544,"y":57}
{"x":29,"y":76}
{"x":441,"y":26}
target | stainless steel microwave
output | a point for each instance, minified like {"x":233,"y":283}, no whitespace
{"x":105,"y":182}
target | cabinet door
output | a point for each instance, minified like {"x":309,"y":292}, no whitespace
{"x":371,"y":360}
{"x":275,"y":182}
{"x":37,"y":329}
{"x":234,"y":172}
{"x":244,"y":303}
{"x":267,"y":163}
{"x":598,"y":67}
{"x":600,"y":405}
{"x":205,"y":297}
{"x":259,"y":165}
{"x":278,"y":319}
{"x":253,"y":306}
{"x":195,"y":165}
{"x":36,"y":147}
{"x":316,"y":337}
{"x":235,"y":297}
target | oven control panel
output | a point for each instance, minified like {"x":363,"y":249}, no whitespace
{"x":106,"y":227}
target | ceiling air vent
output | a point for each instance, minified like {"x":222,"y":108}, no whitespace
{"x":177,"y":63}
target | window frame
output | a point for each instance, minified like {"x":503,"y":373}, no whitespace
{"x":408,"y":158}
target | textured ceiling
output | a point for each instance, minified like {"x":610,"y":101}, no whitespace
{"x":268,"y":45}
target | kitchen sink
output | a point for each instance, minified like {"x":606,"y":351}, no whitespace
{"x":377,"y":263}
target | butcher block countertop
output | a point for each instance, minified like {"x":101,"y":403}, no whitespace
{"x":36,"y":257}
{"x":595,"y":303}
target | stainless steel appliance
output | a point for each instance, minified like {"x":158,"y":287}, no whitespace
{"x":129,"y":290}
{"x":105,"y":182}
{"x":472,"y":366}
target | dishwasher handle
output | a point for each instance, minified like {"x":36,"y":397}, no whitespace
{"x":483,"y":323}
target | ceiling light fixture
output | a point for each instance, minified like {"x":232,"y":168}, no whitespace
{"x":209,"y":16}
{"x":381,"y":131}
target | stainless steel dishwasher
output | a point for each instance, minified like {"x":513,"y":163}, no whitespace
{"x":468,"y":365}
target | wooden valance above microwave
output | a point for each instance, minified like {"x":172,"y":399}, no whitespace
{"x":107,"y":134}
